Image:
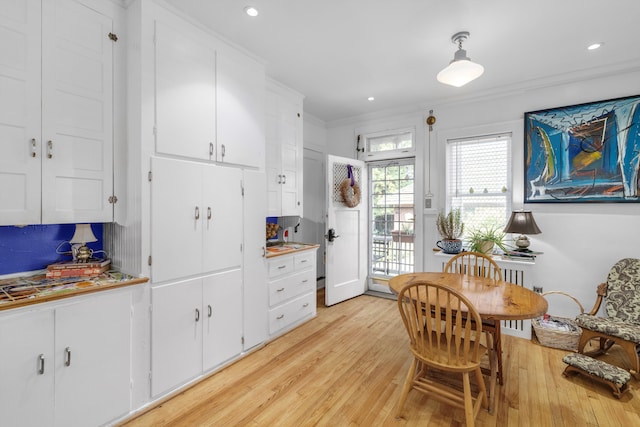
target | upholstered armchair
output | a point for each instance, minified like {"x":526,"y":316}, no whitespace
{"x":621,"y":297}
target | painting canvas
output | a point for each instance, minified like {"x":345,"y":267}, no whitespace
{"x":583,"y":153}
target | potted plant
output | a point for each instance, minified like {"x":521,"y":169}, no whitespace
{"x":450,"y":227}
{"x":484,"y":238}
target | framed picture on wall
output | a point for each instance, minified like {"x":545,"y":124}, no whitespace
{"x":583,"y":153}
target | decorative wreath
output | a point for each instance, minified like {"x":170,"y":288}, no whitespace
{"x":350,"y":190}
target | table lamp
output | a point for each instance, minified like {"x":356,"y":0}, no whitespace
{"x":522,"y":222}
{"x":79,"y":249}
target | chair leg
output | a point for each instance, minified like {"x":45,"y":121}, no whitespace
{"x":407,"y":387}
{"x":468,"y":401}
{"x":482,"y":394}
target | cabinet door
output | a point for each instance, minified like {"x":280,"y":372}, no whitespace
{"x":291,"y":149}
{"x":20,"y":156}
{"x":273,"y":166}
{"x":185,"y":91}
{"x":176,"y":334}
{"x":254,"y":262}
{"x":77,"y":114}
{"x":222,"y":214}
{"x":222,"y":306}
{"x":176,"y":219}
{"x":27,"y":369}
{"x":240,"y":109}
{"x":93,"y":360}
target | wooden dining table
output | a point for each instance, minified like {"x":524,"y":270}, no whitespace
{"x":493,"y":299}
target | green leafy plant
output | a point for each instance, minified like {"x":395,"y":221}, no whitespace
{"x":450,"y":226}
{"x":485,"y":237}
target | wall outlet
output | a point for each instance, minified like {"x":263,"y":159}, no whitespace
{"x":427,"y":202}
{"x":537,"y":289}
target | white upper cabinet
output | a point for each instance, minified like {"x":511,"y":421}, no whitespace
{"x":284,"y":152}
{"x":185,"y":91}
{"x":56,"y":113}
{"x":240,"y":107}
{"x":209,"y":97}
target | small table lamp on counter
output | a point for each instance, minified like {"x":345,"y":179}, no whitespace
{"x":522,"y":222}
{"x":82,"y":236}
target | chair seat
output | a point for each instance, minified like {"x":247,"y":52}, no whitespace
{"x":615,"y":328}
{"x":440,"y":357}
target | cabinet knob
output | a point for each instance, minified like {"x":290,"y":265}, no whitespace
{"x":50,"y":149}
{"x":33,"y":147}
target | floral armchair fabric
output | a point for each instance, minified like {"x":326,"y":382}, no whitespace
{"x":621,"y":296}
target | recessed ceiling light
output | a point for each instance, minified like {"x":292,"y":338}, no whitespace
{"x":595,"y":46}
{"x":251,"y":11}
{"x":371,"y":98}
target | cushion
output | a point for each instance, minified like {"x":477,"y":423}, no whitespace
{"x":623,"y":291}
{"x":598,"y":368}
{"x":615,"y":328}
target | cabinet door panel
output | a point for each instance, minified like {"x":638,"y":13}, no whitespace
{"x":93,"y":359}
{"x":26,"y":394}
{"x":77,"y":121}
{"x":185,"y":92}
{"x":20,"y":118}
{"x":222,"y":237}
{"x":240,"y":109}
{"x":176,"y":233}
{"x":222,"y":305}
{"x":176,"y":334}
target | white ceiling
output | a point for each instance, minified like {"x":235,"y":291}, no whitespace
{"x":339,"y":52}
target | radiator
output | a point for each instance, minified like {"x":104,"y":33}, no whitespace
{"x":519,"y":273}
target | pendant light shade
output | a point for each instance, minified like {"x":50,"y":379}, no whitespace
{"x":460,"y":70}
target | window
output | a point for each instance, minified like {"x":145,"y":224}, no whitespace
{"x":479,"y":179}
{"x":389,"y":144}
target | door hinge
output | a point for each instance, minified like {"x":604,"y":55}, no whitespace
{"x":113,"y":200}
{"x":242,"y":340}
{"x":149,"y":260}
{"x":241,"y":247}
{"x":241,"y":188}
{"x":113,"y":37}
{"x":149,"y":176}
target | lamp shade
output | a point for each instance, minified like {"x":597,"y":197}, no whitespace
{"x":460,"y":70}
{"x":83,"y":234}
{"x":522,"y":222}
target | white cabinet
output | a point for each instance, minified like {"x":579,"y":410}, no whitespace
{"x":56,"y":74}
{"x":254,"y":261}
{"x":209,"y":97}
{"x":196,"y":218}
{"x":185,"y":70}
{"x":196,"y":325}
{"x":292,"y":289}
{"x":284,"y":152}
{"x":68,"y":365}
{"x":240,"y":109}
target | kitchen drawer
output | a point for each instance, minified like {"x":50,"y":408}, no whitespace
{"x":280,"y":265}
{"x":304,"y":260}
{"x":288,"y":287}
{"x":291,"y":312}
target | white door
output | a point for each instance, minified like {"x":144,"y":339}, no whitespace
{"x":346,"y":233}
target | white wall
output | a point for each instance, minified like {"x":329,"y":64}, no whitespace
{"x":580,"y":241}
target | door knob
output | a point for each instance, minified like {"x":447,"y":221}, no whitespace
{"x":331,"y":235}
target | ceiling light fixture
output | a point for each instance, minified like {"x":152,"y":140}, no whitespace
{"x":460,"y":70}
{"x":371,"y":98}
{"x":594,"y":46}
{"x":251,"y":11}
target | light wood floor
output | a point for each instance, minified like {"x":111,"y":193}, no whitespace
{"x":346,"y":367}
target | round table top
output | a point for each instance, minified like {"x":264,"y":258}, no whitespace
{"x":493,"y":299}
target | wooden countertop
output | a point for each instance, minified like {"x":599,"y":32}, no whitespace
{"x":35,"y":289}
{"x":289,"y":248}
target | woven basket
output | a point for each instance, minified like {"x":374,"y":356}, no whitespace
{"x":566,"y":340}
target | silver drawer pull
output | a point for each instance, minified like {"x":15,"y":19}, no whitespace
{"x":33,"y":147}
{"x":281,"y":267}
{"x":41,"y":364}
{"x":305,"y":280}
{"x":280,"y":290}
{"x":210,"y":310}
{"x":306,"y":304}
{"x":197,"y":315}
{"x":197,"y":212}
{"x":50,"y":149}
{"x":67,"y":356}
{"x":280,"y":317}
{"x":304,"y":260}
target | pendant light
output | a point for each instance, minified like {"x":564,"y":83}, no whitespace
{"x":460,"y":70}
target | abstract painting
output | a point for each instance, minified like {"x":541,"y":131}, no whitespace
{"x":583,"y":153}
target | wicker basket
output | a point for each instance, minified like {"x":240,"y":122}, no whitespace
{"x":566,"y":340}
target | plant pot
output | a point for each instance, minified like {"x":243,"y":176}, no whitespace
{"x":402,"y":236}
{"x":485,"y":246}
{"x":450,"y":246}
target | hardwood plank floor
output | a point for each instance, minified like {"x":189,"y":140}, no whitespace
{"x":346,"y":367}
